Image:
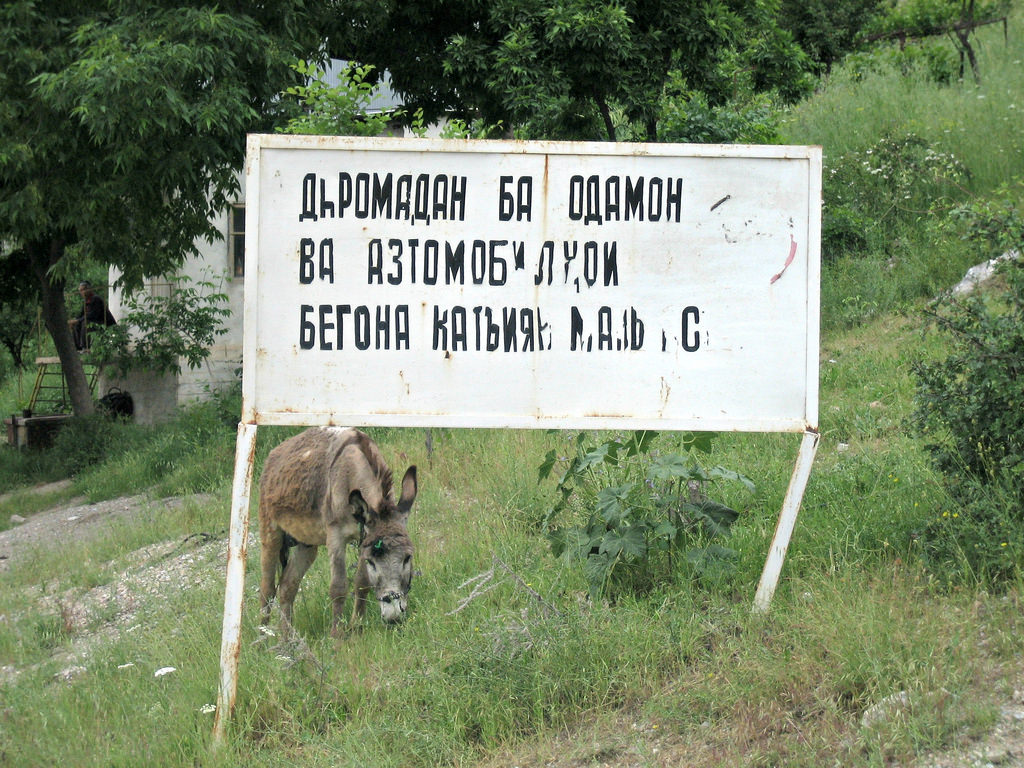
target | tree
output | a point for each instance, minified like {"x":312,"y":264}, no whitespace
{"x":122,"y":128}
{"x":334,"y":109}
{"x":165,"y":329}
{"x":577,"y":69}
{"x":828,"y":29}
{"x":959,"y":19}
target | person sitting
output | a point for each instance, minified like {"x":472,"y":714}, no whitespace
{"x":94,"y":312}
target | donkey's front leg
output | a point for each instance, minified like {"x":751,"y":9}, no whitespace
{"x":336,"y":543}
{"x":361,"y":589}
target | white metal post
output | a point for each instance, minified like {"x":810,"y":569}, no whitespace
{"x":787,"y":519}
{"x":234,"y":590}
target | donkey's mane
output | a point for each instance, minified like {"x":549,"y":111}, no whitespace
{"x":377,"y":464}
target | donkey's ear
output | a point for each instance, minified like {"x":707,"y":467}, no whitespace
{"x":360,"y":509}
{"x":409,"y":489}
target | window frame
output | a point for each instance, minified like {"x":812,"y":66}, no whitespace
{"x":236,"y":239}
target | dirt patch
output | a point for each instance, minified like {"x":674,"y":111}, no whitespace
{"x":145,"y":577}
{"x":62,"y":523}
{"x":626,"y":740}
{"x":75,"y":520}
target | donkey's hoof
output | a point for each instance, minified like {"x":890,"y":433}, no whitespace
{"x":345,"y":629}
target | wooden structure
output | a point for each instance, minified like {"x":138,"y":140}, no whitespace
{"x":49,"y":405}
{"x":50,"y":391}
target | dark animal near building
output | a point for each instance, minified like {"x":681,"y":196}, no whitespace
{"x":331,"y":486}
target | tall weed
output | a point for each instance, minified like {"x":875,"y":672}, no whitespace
{"x":635,"y":516}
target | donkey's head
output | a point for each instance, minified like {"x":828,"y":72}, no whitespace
{"x":385,"y":551}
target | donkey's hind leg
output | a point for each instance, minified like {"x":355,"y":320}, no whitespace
{"x":271,"y":546}
{"x":298,"y":563}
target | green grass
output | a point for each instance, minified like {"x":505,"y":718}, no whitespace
{"x":967,"y":119}
{"x":855,"y":619}
{"x":27,"y":501}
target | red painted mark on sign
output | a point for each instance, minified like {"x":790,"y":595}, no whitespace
{"x":789,"y":260}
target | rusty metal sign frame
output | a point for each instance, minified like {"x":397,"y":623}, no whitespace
{"x":808,"y":269}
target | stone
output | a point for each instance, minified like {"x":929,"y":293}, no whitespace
{"x":884,"y":710}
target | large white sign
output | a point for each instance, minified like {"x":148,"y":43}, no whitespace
{"x":531,"y":284}
{"x":508,"y":284}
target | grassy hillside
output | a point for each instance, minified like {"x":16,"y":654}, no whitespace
{"x":676,"y":671}
{"x":901,"y":153}
{"x":857,"y":618}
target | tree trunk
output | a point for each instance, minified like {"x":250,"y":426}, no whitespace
{"x":606,"y":114}
{"x":652,"y":129}
{"x":14,"y":349}
{"x":44,"y":255}
{"x":964,"y":36}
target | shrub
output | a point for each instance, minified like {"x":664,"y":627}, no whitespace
{"x":933,"y":61}
{"x":158,"y":332}
{"x":688,"y":117}
{"x":85,"y":441}
{"x":970,"y":406}
{"x":870,"y":193}
{"x":828,"y":31}
{"x":981,"y":540}
{"x":630,"y":514}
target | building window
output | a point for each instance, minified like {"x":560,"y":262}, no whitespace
{"x":236,"y":239}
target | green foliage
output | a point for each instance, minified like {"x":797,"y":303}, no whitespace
{"x":458,"y":128}
{"x":870,"y":194}
{"x":880,"y":251}
{"x":995,"y":225}
{"x":20,"y":302}
{"x":689,"y":118}
{"x":493,"y":682}
{"x":154,"y":464}
{"x":552,"y":70}
{"x":157,"y":332}
{"x":956,"y":19}
{"x":87,"y":441}
{"x":128,"y":134}
{"x":929,"y":17}
{"x":980,"y":542}
{"x":970,"y":404}
{"x":828,"y":29}
{"x":122,"y":131}
{"x":931,"y":60}
{"x":573,"y":70}
{"x":854,"y":620}
{"x":628,"y":512}
{"x":19,"y":468}
{"x":336,"y":110}
{"x":192,"y":453}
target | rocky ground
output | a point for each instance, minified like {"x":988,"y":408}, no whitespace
{"x":152,"y":573}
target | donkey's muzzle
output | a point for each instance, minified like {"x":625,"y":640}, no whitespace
{"x":393,"y":606}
